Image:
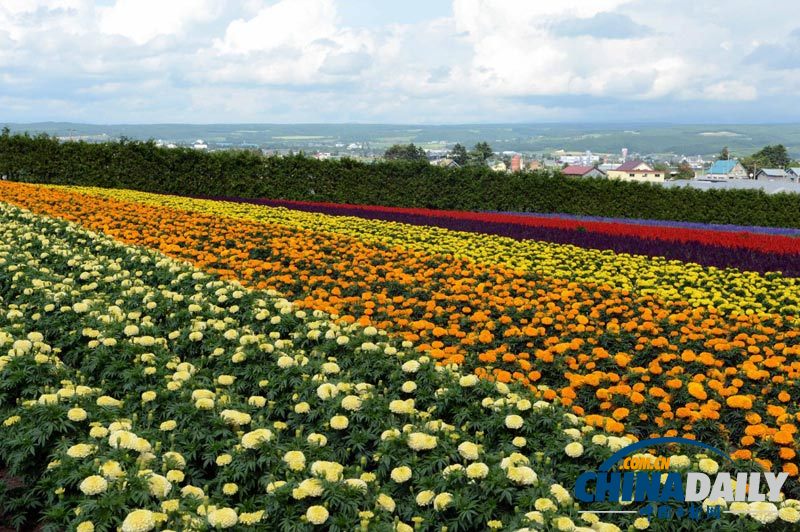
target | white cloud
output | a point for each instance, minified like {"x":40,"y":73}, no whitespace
{"x":300,"y":60}
{"x":143,"y":20}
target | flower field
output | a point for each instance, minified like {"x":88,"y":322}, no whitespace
{"x":177,"y":363}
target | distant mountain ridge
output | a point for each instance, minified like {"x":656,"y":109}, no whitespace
{"x":680,"y":139}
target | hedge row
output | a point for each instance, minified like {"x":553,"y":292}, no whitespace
{"x":147,"y":167}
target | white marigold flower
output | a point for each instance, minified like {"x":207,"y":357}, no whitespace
{"x":412,"y":366}
{"x":574,"y":449}
{"x":159,"y":486}
{"x":139,"y":521}
{"x":399,"y":406}
{"x":222,"y":518}
{"x":419,"y":441}
{"x":544,"y":505}
{"x":131,"y":330}
{"x":514,"y":421}
{"x":76,"y":414}
{"x":424,"y":498}
{"x":330,"y":368}
{"x":332,"y":471}
{"x":296,"y":460}
{"x":93,"y":485}
{"x":255,"y":438}
{"x":81,"y":450}
{"x":327,"y":391}
{"x":468,"y":381}
{"x":789,"y":514}
{"x":522,"y":475}
{"x":477,"y":470}
{"x":317,"y":439}
{"x":442,"y":501}
{"x":469,"y":450}
{"x":351,"y":403}
{"x":339,"y":422}
{"x":234,"y":417}
{"x":317,"y":515}
{"x":763,"y":512}
{"x":409,"y":387}
{"x":401,"y":474}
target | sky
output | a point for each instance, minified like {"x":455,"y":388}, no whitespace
{"x":410,"y":61}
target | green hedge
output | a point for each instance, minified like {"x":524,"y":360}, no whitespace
{"x":144,"y":166}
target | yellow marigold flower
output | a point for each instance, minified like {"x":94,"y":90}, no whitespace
{"x":98,"y":432}
{"x":105,"y":400}
{"x":469,"y":450}
{"x":159,"y":486}
{"x":255,"y":438}
{"x":222,"y":518}
{"x":170,"y":505}
{"x":519,"y":441}
{"x":112,"y":470}
{"x":494,"y":524}
{"x":708,"y":466}
{"x":317,"y":515}
{"x":224,"y":459}
{"x":204,"y":404}
{"x":302,"y":408}
{"x":225,"y":380}
{"x":522,"y":475}
{"x":76,"y":414}
{"x":544,"y":504}
{"x":789,"y":514}
{"x":401,"y":474}
{"x":296,"y":460}
{"x":339,"y":422}
{"x":230,"y":488}
{"x":192,"y":491}
{"x":477,"y":470}
{"x":149,"y":396}
{"x":272,"y":486}
{"x":257,"y":401}
{"x":86,"y":526}
{"x":319,"y":440}
{"x":563,"y":523}
{"x":81,"y":450}
{"x":11,"y":421}
{"x":442,"y":501}
{"x":234,"y":417}
{"x":419,"y":441}
{"x":385,"y":502}
{"x":175,"y":475}
{"x":514,"y":421}
{"x":93,"y":485}
{"x":168,"y":425}
{"x":251,"y":518}
{"x":398,"y":406}
{"x":468,"y":381}
{"x":574,"y":449}
{"x":424,"y":498}
{"x":351,"y":403}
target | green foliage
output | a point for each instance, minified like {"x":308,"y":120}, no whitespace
{"x":405,"y":152}
{"x":146,"y":167}
{"x":459,"y":154}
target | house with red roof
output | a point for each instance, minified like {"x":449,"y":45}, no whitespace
{"x":575,"y":170}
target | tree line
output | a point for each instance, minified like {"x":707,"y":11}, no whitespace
{"x":147,"y":167}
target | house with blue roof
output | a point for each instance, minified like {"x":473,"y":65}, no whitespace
{"x":723,"y":170}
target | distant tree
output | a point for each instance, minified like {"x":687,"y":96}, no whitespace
{"x":6,"y":132}
{"x":459,"y":154}
{"x":768,"y":157}
{"x":661,"y":167}
{"x":725,"y":154}
{"x":405,"y":152}
{"x":482,"y":151}
{"x":685,"y":171}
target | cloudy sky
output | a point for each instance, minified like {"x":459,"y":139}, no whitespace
{"x":410,"y":61}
